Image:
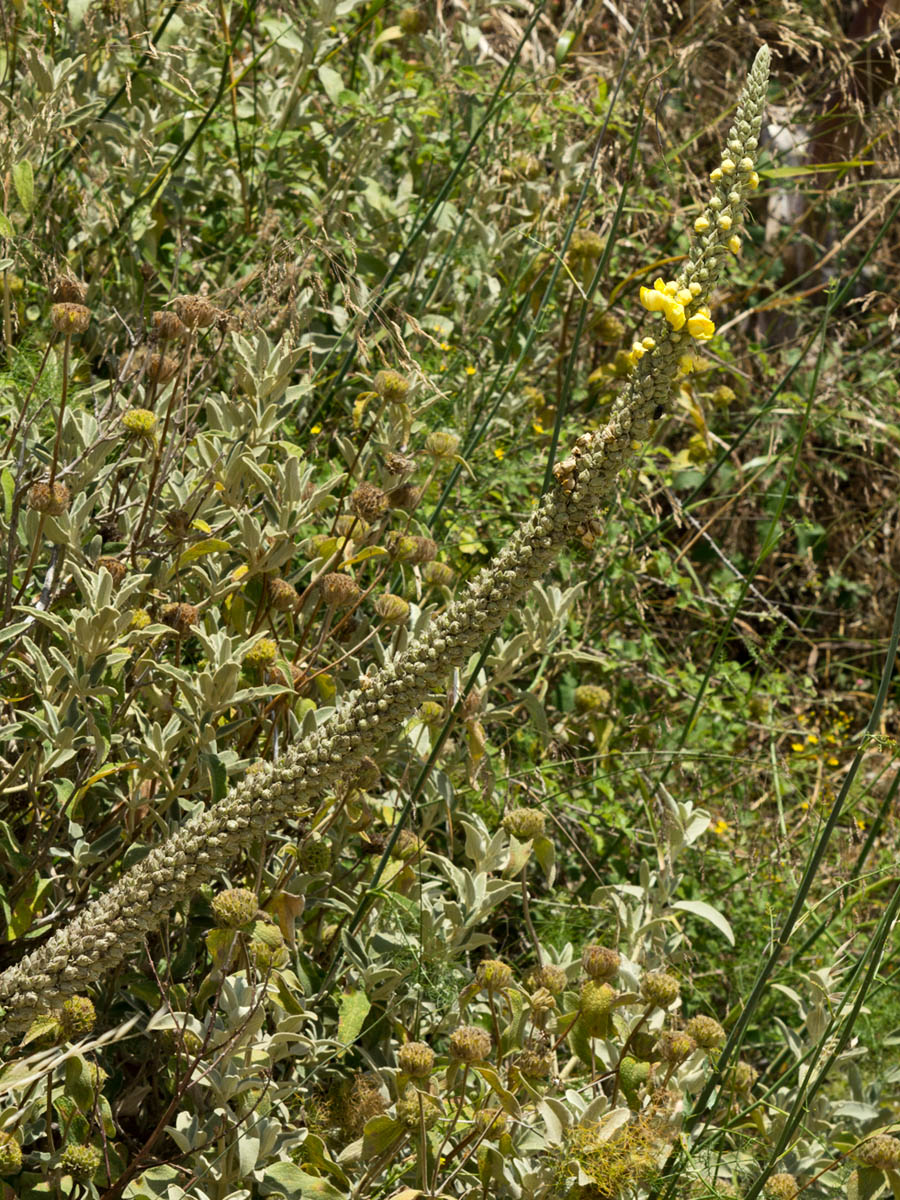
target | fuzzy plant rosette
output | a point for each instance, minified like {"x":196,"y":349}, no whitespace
{"x":115,"y":923}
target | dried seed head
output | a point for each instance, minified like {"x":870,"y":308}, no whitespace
{"x":416,"y":1059}
{"x":418,"y":1106}
{"x":393,"y":610}
{"x":525,"y":823}
{"x":406,"y":497}
{"x":550,"y":977}
{"x":348,"y":525}
{"x":168,"y":326}
{"x":139,"y":421}
{"x":673,"y":1046}
{"x":77,"y":1017}
{"x":407,"y":846}
{"x":398,"y":464}
{"x":609,"y":329}
{"x":401,"y":546}
{"x":534,"y":1064}
{"x":114,"y":566}
{"x":596,"y":1005}
{"x":44,"y":499}
{"x":586,"y":245}
{"x":157,"y":368}
{"x":705,"y":1031}
{"x":368,"y":502}
{"x":493,"y":975}
{"x":195,"y":312}
{"x":469,"y":1043}
{"x":589,"y":697}
{"x":314,"y":855}
{"x":881,"y":1152}
{"x":282,"y":595}
{"x":180,"y":617}
{"x":390,"y":385}
{"x":69,"y":318}
{"x":81,"y":1162}
{"x":438,"y":574}
{"x":264,"y":652}
{"x":339,"y":590}
{"x":235,"y":907}
{"x":600,"y":962}
{"x":10,"y":1154}
{"x":781,"y":1186}
{"x":442,"y":444}
{"x":742,"y":1077}
{"x":412,"y":20}
{"x":659,"y":988}
{"x":66,"y":289}
{"x":424,"y":550}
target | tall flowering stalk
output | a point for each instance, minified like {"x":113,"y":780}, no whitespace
{"x":114,"y":924}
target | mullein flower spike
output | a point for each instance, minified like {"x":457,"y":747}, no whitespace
{"x":116,"y":922}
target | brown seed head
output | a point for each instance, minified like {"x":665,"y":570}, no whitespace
{"x":114,"y":566}
{"x":339,"y":590}
{"x":53,"y":501}
{"x":195,"y":312}
{"x":438,"y":574}
{"x":66,"y":289}
{"x":549,"y":976}
{"x":180,"y":617}
{"x":416,"y":1059}
{"x":881,"y":1152}
{"x":705,"y":1031}
{"x":282,"y":595}
{"x":398,"y":464}
{"x":392,"y":609}
{"x":406,"y":497}
{"x":390,"y":385}
{"x":442,"y":444}
{"x":600,"y":962}
{"x":674,"y":1046}
{"x":470,"y":1043}
{"x":168,"y":326}
{"x":368,"y":501}
{"x":70,"y":318}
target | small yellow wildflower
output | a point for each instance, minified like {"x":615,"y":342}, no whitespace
{"x":829,"y":737}
{"x":701,"y":224}
{"x":445,"y":345}
{"x":833,"y":762}
{"x":727,"y":166}
{"x":471,"y":370}
{"x":724,"y":222}
{"x":720,"y":827}
{"x":753,"y":180}
{"x":648,"y":343}
{"x":812,"y":739}
{"x":797,"y":747}
{"x":700,"y":327}
{"x":715,"y":175}
{"x":499,"y":453}
{"x":804,"y":804}
{"x":316,"y":429}
{"x":537,"y":427}
{"x":734,"y":244}
{"x":860,"y":823}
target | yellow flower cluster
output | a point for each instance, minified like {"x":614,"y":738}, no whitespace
{"x":671,"y":301}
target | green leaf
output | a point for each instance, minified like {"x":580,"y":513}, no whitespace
{"x":200,"y":549}
{"x":78,"y":1082}
{"x":28,"y":908}
{"x":545,"y":853}
{"x":380,"y":1134}
{"x":332,"y":83}
{"x":6,"y":229}
{"x":287,"y":1178}
{"x":354,"y":1009}
{"x":220,"y":943}
{"x":706,"y":912}
{"x":23,"y":181}
{"x":218,"y":776}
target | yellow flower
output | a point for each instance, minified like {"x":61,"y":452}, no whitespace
{"x":797,"y":747}
{"x":720,"y":827}
{"x":734,"y":244}
{"x":716,"y":175}
{"x":445,"y":345}
{"x":727,"y":166}
{"x":746,"y":164}
{"x":316,"y":429}
{"x":537,"y":427}
{"x":724,"y":222}
{"x":753,"y":181}
{"x":700,"y":327}
{"x":812,"y":739}
{"x":499,"y":452}
{"x":701,"y":224}
{"x":471,"y":371}
{"x":833,"y":762}
{"x":655,"y":300}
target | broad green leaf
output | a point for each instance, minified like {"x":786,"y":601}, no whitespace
{"x":23,"y":181}
{"x":6,"y":229}
{"x":200,"y":549}
{"x":332,"y":83}
{"x":295,"y":1184}
{"x":28,"y":908}
{"x":354,"y":1008}
{"x":706,"y":912}
{"x":380,"y":1133}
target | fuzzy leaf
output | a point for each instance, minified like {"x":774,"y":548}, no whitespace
{"x":288,"y":1179}
{"x":354,"y":1009}
{"x":706,"y":912}
{"x":23,"y":181}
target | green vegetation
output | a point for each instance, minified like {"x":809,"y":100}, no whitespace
{"x":310,"y":313}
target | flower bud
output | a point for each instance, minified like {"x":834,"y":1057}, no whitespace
{"x":416,"y":1059}
{"x":660,"y":989}
{"x":282,"y":595}
{"x":590,"y":697}
{"x":438,"y":574}
{"x":81,"y":1162}
{"x":139,"y":421}
{"x":549,"y":976}
{"x":674,"y":1046}
{"x":596,"y":1005}
{"x":491,"y":1122}
{"x":416,"y":1106}
{"x":600,"y":962}
{"x":525,"y":823}
{"x":235,"y":907}
{"x":469,"y":1044}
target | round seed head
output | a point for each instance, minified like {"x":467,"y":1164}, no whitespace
{"x":416,"y":1059}
{"x":10,"y":1154}
{"x":69,"y":318}
{"x":590,"y":698}
{"x":742,"y":1077}
{"x":534,"y":1064}
{"x":596,"y":1005}
{"x":139,"y":421}
{"x":314,"y":855}
{"x":438,"y":574}
{"x":66,"y":289}
{"x":368,"y":501}
{"x":600,"y":962}
{"x":264,"y":652}
{"x":659,"y":988}
{"x":407,"y":846}
{"x":168,"y":326}
{"x":114,"y":566}
{"x":401,"y":545}
{"x":549,"y":976}
{"x":412,"y":20}
{"x":77,"y":1017}
{"x":339,"y":590}
{"x":398,"y":464}
{"x":585,"y":244}
{"x":442,"y":444}
{"x":417,"y":1105}
{"x":525,"y":823}
{"x":180,"y":617}
{"x":491,"y":1122}
{"x":406,"y":497}
{"x":46,"y":499}
{"x":158,"y":368}
{"x":881,"y":1152}
{"x":282,"y":595}
{"x":235,"y":907}
{"x":723,"y":396}
{"x":705,"y":1031}
{"x":393,"y":610}
{"x":674,"y":1046}
{"x":267,"y":950}
{"x":390,"y":385}
{"x":140,"y":618}
{"x":780,"y":1187}
{"x":424,"y":550}
{"x":470,"y":1043}
{"x":195,"y":312}
{"x":81,"y":1162}
{"x":493,"y":975}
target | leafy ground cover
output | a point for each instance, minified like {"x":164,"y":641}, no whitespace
{"x":613,"y":915}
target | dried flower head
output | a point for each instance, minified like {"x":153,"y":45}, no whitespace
{"x":390,"y":385}
{"x":77,"y":1017}
{"x":705,"y":1031}
{"x":493,"y":975}
{"x":534,"y":1063}
{"x":140,"y":619}
{"x":416,"y":1107}
{"x":66,"y":289}
{"x":742,"y":1077}
{"x":781,"y":1186}
{"x":368,"y":501}
{"x":314,"y":855}
{"x":674,"y":1045}
{"x":339,"y":590}
{"x":609,"y":329}
{"x":491,"y":1122}
{"x":442,"y":444}
{"x":469,"y":1043}
{"x":393,"y":610}
{"x":525,"y":823}
{"x":416,"y":1059}
{"x":396,"y":463}
{"x":50,"y":500}
{"x":139,"y":421}
{"x":424,"y":550}
{"x":407,"y":846}
{"x":81,"y":1162}
{"x":660,"y":988}
{"x":401,"y":546}
{"x":157,"y":368}
{"x":116,"y":568}
{"x":600,"y":962}
{"x":168,"y":326}
{"x":180,"y":617}
{"x":235,"y":907}
{"x":549,"y":976}
{"x":282,"y":595}
{"x":69,"y":318}
{"x":438,"y":574}
{"x":882,"y":1152}
{"x":406,"y":497}
{"x":195,"y":312}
